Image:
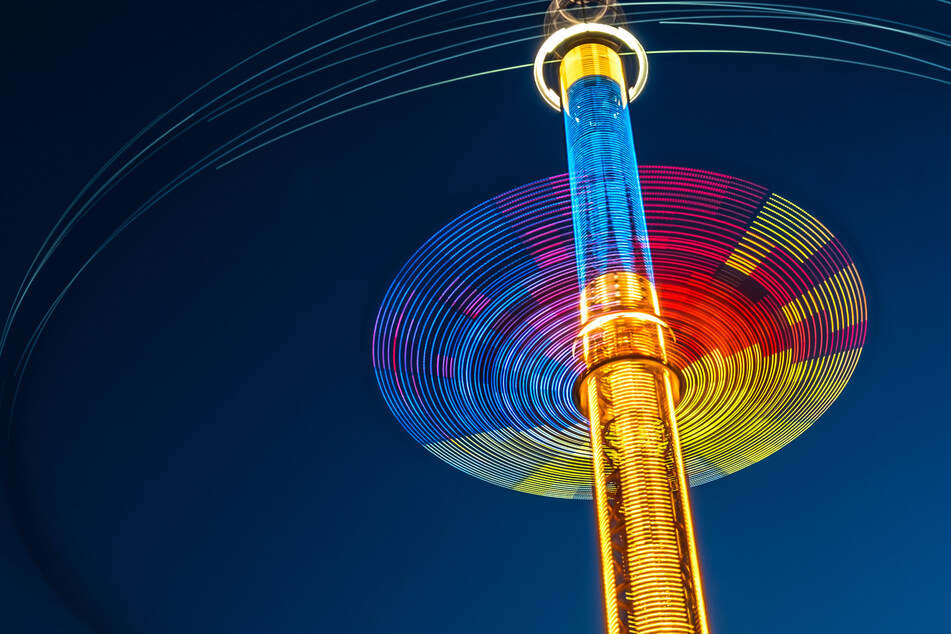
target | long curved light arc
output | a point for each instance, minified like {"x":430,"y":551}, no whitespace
{"x":364,"y":87}
{"x":188,"y":121}
{"x":773,"y":13}
{"x":40,"y":259}
{"x":219,"y":112}
{"x":186,"y":175}
{"x":499,"y":70}
{"x":129,"y":165}
{"x":829,"y":19}
{"x":230,"y":105}
{"x":799,"y":10}
{"x":716,"y":5}
{"x":192,"y":171}
{"x":821,"y":58}
{"x":827,"y":38}
{"x":227,"y":107}
{"x":662,"y":21}
{"x":375,"y":71}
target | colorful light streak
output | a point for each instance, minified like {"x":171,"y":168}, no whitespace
{"x":473,"y":344}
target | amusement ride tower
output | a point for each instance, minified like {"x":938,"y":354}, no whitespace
{"x":537,"y":341}
{"x":648,"y":557}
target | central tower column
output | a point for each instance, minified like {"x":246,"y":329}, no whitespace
{"x":628,"y":393}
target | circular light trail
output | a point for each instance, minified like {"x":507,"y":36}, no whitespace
{"x":473,"y":343}
{"x":563,"y":35}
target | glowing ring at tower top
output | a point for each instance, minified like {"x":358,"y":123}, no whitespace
{"x":472,"y":346}
{"x":563,"y":35}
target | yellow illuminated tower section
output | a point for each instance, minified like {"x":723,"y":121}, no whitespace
{"x":629,"y":390}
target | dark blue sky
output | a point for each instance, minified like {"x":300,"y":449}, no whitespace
{"x":198,"y":443}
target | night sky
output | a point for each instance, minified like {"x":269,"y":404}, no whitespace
{"x":198,"y":443}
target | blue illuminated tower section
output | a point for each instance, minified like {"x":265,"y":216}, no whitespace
{"x":629,"y":391}
{"x":610,"y":229}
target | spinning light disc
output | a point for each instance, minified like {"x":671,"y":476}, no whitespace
{"x":473,"y":343}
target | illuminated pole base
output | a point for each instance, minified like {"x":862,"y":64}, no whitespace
{"x":649,"y":562}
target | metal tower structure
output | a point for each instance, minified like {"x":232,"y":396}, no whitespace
{"x":648,"y":556}
{"x":537,"y":341}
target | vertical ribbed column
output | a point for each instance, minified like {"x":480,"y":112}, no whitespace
{"x":646,"y":543}
{"x":649,"y":563}
{"x":608,"y":213}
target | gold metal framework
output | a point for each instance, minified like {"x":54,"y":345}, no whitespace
{"x":649,"y":561}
